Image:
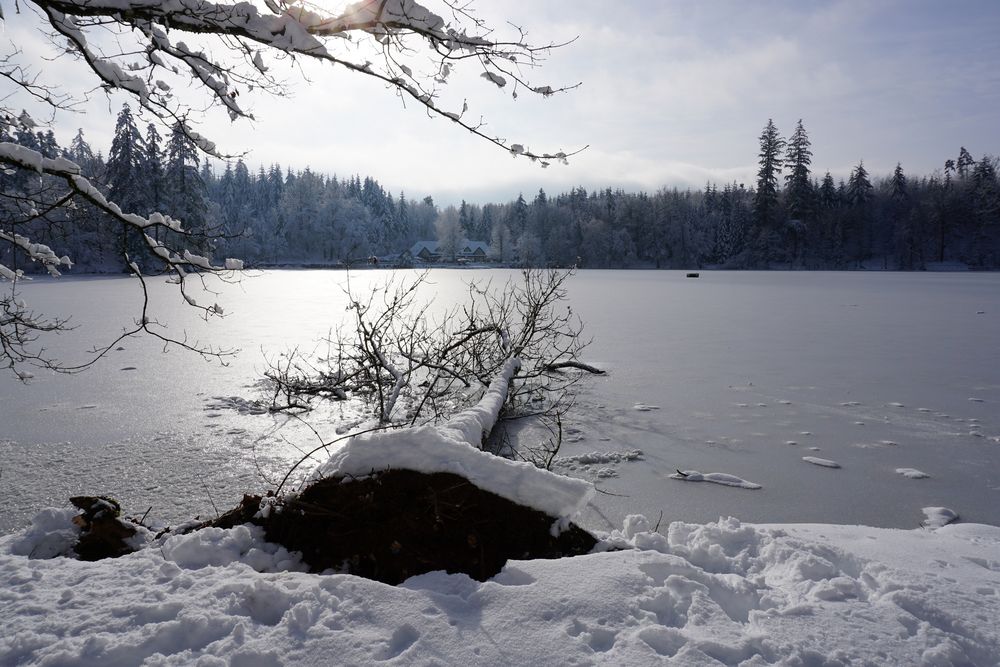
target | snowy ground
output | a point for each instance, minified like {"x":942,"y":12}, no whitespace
{"x":718,"y":593}
{"x":702,"y":594}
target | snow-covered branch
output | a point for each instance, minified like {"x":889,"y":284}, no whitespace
{"x":400,"y":30}
{"x":19,"y":326}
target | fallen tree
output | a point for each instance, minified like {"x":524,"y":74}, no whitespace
{"x":394,"y":504}
{"x":411,"y":367}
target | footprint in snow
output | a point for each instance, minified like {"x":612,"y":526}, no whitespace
{"x":850,"y":404}
{"x":642,"y":407}
{"x":815,"y":460}
{"x":714,"y":477}
{"x":977,"y":400}
{"x":896,"y":405}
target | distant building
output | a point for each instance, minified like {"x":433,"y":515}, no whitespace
{"x":467,"y":251}
{"x":425,"y":251}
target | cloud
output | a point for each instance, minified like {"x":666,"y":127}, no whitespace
{"x":673,"y":94}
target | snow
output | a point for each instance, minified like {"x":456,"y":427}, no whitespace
{"x":826,"y":463}
{"x":912,"y":473}
{"x":714,"y":477}
{"x":939,"y":516}
{"x":599,"y":457}
{"x":723,"y":592}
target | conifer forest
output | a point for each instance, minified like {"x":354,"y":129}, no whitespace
{"x":788,"y":218}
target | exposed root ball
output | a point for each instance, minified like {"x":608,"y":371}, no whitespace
{"x":400,"y":523}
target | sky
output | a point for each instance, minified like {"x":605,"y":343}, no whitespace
{"x":672,"y":94}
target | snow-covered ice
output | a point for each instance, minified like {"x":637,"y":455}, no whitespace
{"x":912,"y":473}
{"x":161,"y":440}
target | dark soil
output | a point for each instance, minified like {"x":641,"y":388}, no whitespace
{"x":400,"y":523}
{"x":102,"y":533}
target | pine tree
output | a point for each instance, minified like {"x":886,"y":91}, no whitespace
{"x":125,"y":163}
{"x":81,"y":152}
{"x":985,"y":200}
{"x":184,"y":188}
{"x":859,"y":188}
{"x":124,"y":174}
{"x":907,"y":237}
{"x":798,"y":186}
{"x":858,"y":229}
{"x":766,"y":207}
{"x":153,"y":170}
{"x":964,"y":164}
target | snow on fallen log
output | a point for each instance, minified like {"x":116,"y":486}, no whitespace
{"x":453,"y":447}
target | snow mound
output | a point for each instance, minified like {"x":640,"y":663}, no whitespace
{"x":912,"y":473}
{"x":715,"y":477}
{"x":938,"y":517}
{"x":429,"y":449}
{"x":817,"y":461}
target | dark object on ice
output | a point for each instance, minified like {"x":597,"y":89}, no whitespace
{"x":400,"y":523}
{"x":680,"y":472}
{"x":102,"y":533}
{"x":693,"y":275}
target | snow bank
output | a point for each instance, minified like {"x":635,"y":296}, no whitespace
{"x":723,"y":592}
{"x":938,"y":517}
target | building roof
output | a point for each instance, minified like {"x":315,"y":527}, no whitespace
{"x":464,"y":248}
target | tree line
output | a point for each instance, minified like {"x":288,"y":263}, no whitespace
{"x":788,"y":218}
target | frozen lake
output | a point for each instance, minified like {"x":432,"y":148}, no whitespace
{"x":734,"y":372}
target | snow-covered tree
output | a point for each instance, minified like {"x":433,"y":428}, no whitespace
{"x":449,"y":233}
{"x":184,"y":188}
{"x":217,"y":53}
{"x":125,"y":174}
{"x":153,"y":172}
